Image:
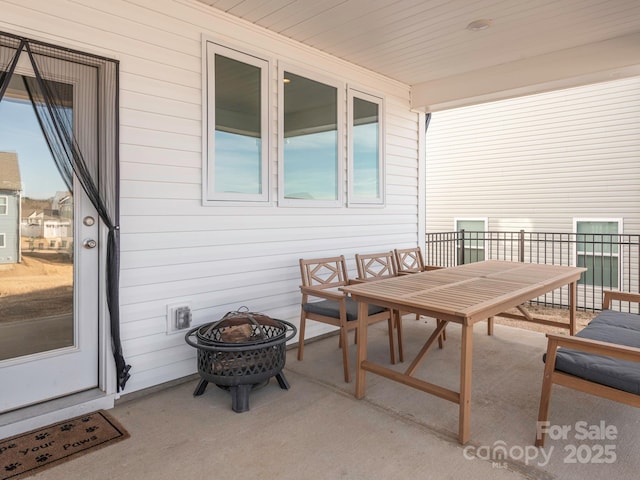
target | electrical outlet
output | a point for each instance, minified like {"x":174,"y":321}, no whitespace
{"x":182,"y":318}
{"x":178,"y":317}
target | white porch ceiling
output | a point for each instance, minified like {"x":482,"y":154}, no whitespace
{"x":530,"y":46}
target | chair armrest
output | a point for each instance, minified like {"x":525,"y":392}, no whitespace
{"x":594,"y":346}
{"x":617,"y":295}
{"x":322,"y":293}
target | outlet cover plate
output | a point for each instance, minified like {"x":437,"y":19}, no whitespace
{"x":171,"y":317}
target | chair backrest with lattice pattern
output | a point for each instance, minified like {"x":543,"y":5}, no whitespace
{"x":376,"y":265}
{"x":409,"y":260}
{"x":327,"y":272}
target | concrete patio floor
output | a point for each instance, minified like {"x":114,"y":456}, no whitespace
{"x":318,"y":430}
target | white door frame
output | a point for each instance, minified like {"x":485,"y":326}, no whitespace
{"x":104,"y":394}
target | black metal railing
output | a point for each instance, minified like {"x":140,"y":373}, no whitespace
{"x":612,"y":260}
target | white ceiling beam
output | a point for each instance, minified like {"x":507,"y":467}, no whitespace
{"x":596,"y":62}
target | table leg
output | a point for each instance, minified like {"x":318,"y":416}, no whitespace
{"x":400,"y":339}
{"x":572,"y":308}
{"x":490,"y":326}
{"x":361,"y":385}
{"x":465,"y":383}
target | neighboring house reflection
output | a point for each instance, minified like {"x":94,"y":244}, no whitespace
{"x":10,"y":194}
{"x":48,"y":228}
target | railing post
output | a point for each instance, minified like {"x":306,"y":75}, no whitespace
{"x":521,"y":246}
{"x":461,"y":248}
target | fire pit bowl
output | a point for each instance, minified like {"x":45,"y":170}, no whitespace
{"x":239,"y":352}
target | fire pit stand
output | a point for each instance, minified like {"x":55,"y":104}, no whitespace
{"x":241,"y":352}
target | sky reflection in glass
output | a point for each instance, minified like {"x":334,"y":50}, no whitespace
{"x":20,"y":132}
{"x":311,"y":166}
{"x":238,"y":166}
{"x":366,"y":165}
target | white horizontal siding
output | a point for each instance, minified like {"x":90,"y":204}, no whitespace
{"x":174,"y":249}
{"x":537,"y":162}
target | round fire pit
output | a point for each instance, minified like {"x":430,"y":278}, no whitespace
{"x":239,"y":352}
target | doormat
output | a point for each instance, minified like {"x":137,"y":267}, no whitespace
{"x":29,"y":453}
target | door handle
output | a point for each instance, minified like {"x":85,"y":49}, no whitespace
{"x":90,"y":243}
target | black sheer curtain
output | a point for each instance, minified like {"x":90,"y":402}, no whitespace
{"x":94,"y":161}
{"x":10,"y":49}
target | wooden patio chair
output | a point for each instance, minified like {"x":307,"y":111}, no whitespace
{"x":603,"y":359}
{"x":410,"y":260}
{"x":377,"y":266}
{"x":321,"y":279}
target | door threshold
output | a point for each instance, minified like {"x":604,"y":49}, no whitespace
{"x":40,"y":415}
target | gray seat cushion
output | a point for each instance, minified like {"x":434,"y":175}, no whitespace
{"x":331,"y":308}
{"x":613,"y":327}
{"x":630,"y":321}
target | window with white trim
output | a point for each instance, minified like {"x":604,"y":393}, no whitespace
{"x":597,"y":249}
{"x":473,"y":244}
{"x":311,"y":132}
{"x":366,"y":148}
{"x":3,"y":242}
{"x":4,"y":205}
{"x":236,"y":140}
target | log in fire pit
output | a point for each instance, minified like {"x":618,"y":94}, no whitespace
{"x":240,"y":352}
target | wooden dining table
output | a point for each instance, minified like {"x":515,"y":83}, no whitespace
{"x":464,"y":295}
